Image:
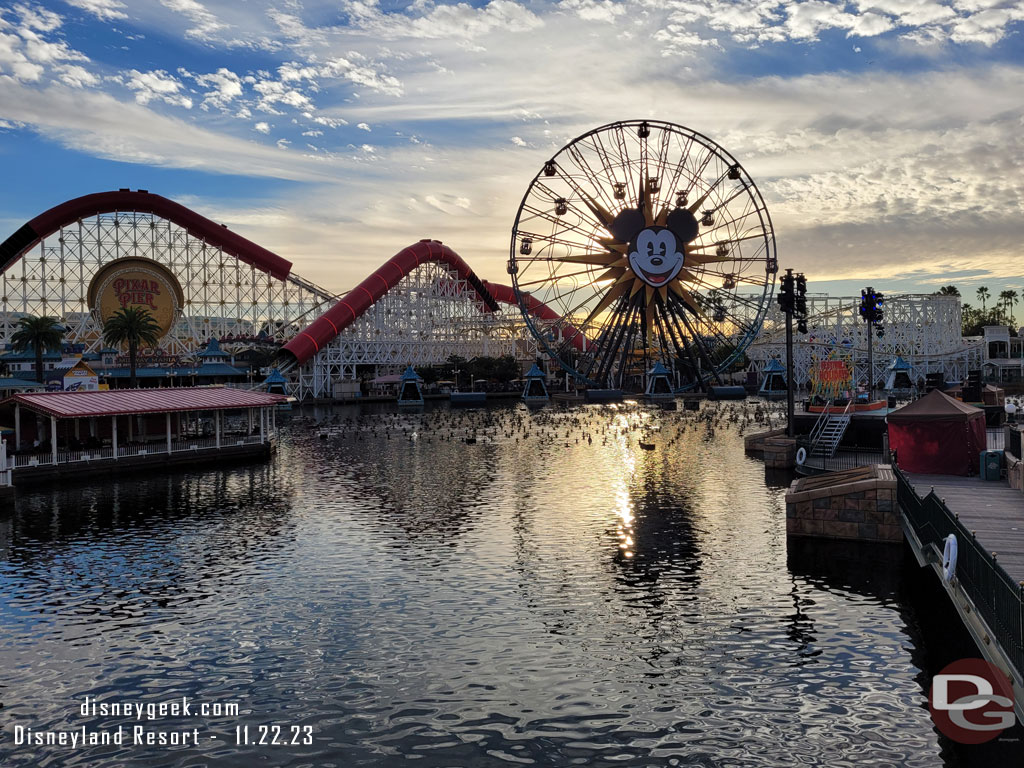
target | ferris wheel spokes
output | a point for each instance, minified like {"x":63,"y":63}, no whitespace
{"x":641,"y":235}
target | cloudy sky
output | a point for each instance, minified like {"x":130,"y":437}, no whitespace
{"x":887,"y":136}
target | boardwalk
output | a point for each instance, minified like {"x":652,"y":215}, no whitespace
{"x":993,"y":510}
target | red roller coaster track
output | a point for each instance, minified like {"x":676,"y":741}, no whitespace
{"x":332,"y":322}
{"x":71,"y":211}
{"x":325,"y":328}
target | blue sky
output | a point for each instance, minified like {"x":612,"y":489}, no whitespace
{"x":887,"y":136}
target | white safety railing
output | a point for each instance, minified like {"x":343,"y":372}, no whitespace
{"x":154,"y":448}
{"x":33,"y":460}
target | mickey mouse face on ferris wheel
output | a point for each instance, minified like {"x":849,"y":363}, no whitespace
{"x":656,"y":253}
{"x":656,"y":256}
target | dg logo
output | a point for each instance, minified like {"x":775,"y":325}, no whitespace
{"x":971,"y":701}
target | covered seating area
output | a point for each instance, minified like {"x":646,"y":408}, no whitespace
{"x":773,"y":382}
{"x":58,"y":432}
{"x":899,"y":378}
{"x":937,"y":435}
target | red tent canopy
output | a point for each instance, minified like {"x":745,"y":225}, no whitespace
{"x":938,"y":435}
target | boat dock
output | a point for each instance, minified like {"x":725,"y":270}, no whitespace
{"x":57,"y":434}
{"x":991,"y":509}
{"x":985,"y":584}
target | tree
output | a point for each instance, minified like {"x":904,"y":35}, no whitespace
{"x":507,"y":369}
{"x":1004,"y":301}
{"x":949,"y":290}
{"x":39,"y":334}
{"x":429,"y":374}
{"x":1012,"y":298}
{"x":983,"y":295}
{"x":973,"y":321}
{"x":133,"y":326}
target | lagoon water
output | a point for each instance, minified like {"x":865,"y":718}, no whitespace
{"x":408,"y":599}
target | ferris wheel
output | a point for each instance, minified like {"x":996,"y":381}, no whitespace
{"x":648,"y":243}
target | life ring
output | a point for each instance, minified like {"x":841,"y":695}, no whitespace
{"x":801,"y":455}
{"x":949,"y":558}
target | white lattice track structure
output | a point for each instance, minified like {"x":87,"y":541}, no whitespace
{"x":923,"y":329}
{"x":429,"y":316}
{"x":223,"y":295}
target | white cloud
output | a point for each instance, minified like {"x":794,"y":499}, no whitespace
{"x":987,"y":26}
{"x":34,"y":17}
{"x":207,"y":25}
{"x":595,"y":10}
{"x":96,"y":123}
{"x":910,"y":13}
{"x":76,"y":76}
{"x":224,"y":87}
{"x":274,"y":92}
{"x":159,"y":85}
{"x":330,"y":122}
{"x":865,"y":156}
{"x":359,"y":74}
{"x":14,"y":62}
{"x":105,"y":10}
{"x":292,"y":28}
{"x":47,"y":52}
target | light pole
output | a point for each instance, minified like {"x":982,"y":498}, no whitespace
{"x":871,"y":311}
{"x":793,"y":302}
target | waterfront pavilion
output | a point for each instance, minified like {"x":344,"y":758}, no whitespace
{"x":64,"y":432}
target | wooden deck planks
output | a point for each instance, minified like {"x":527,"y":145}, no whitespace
{"x":991,"y":509}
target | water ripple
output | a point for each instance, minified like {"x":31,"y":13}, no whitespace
{"x":550,"y":595}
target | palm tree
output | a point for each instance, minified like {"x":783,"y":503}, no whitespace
{"x":1012,"y":298}
{"x":1004,"y":301}
{"x":133,"y":326}
{"x":949,"y":290}
{"x":983,"y":294}
{"x":39,"y":334}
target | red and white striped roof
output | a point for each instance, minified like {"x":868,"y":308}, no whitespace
{"x":119,"y":402}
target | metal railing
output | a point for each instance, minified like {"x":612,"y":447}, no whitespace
{"x":818,"y":430}
{"x":844,"y":458}
{"x":998,"y":599}
{"x":996,"y":438}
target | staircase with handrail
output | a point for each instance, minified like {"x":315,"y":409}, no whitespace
{"x":828,"y":431}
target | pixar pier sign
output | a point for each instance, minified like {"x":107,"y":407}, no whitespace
{"x":135,"y":292}
{"x":136,"y":282}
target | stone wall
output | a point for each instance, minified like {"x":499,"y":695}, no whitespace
{"x":857,"y":504}
{"x":754,"y":444}
{"x":779,"y":453}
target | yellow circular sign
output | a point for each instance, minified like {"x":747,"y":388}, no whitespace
{"x":139,"y":283}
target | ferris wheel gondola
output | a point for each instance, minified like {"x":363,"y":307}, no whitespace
{"x":652,"y":244}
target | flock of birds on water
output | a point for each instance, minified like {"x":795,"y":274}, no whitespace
{"x":651,"y":425}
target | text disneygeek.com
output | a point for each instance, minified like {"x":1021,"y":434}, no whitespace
{"x":147,"y":732}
